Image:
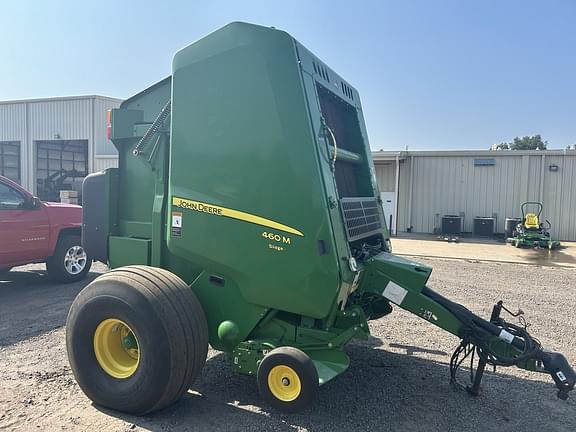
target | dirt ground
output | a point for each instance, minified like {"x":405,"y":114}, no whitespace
{"x":398,"y":380}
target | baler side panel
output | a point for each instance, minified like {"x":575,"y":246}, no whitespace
{"x":141,"y":181}
{"x":242,"y":151}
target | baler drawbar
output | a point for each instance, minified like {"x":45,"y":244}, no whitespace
{"x":245,"y":214}
{"x":496,"y":342}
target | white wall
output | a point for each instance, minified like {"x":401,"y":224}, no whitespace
{"x":449,"y":183}
{"x":103,"y":162}
{"x":73,"y":118}
{"x":13,"y":128}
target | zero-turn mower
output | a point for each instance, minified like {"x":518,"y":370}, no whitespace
{"x":531,"y":232}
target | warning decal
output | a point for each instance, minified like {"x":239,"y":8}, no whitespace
{"x":394,"y":293}
{"x":176,"y":224}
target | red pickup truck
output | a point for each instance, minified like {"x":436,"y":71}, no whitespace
{"x":32,"y":231}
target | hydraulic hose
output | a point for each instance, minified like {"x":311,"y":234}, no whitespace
{"x":475,"y":331}
{"x":509,"y":333}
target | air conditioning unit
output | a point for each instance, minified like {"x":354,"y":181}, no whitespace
{"x":452,"y":224}
{"x":484,"y":226}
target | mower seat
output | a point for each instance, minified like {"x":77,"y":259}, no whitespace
{"x":531,"y":222}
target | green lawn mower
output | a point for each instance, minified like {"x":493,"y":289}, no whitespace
{"x":530,"y":232}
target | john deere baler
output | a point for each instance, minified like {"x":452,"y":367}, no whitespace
{"x":245,"y":214}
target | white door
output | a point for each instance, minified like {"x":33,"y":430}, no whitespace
{"x":389,"y":211}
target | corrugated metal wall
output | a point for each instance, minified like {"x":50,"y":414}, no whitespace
{"x":13,"y":122}
{"x":70,"y":119}
{"x":13,"y":128}
{"x":82,"y":118}
{"x":386,"y":174}
{"x":101,"y":162}
{"x":560,"y":196}
{"x":452,"y":184}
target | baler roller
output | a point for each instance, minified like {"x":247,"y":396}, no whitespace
{"x":345,"y":155}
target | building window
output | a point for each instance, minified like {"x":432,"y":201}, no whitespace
{"x":484,"y":162}
{"x":10,"y":160}
{"x":60,"y":165}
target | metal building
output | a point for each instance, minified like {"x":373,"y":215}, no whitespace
{"x":418,"y":188}
{"x":51,"y":144}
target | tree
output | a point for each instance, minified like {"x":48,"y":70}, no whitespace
{"x":501,"y":146}
{"x":526,"y":143}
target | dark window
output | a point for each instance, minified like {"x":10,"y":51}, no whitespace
{"x":10,"y":198}
{"x":484,"y":162}
{"x":60,"y":165}
{"x":10,"y":160}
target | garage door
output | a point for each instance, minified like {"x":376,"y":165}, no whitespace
{"x":60,"y":165}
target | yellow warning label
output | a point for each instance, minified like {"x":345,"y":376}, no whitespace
{"x":233,"y":214}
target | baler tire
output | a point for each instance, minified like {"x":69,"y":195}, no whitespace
{"x":168,"y":326}
{"x":56,"y":266}
{"x":295,"y":364}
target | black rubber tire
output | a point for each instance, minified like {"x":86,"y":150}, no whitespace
{"x":55,"y":264}
{"x":304,"y":368}
{"x":170,"y":327}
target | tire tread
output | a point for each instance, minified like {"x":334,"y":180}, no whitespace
{"x":180,"y":313}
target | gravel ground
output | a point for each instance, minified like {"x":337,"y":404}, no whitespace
{"x":398,"y":380}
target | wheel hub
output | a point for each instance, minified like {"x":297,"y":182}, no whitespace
{"x":116,"y":348}
{"x":284,"y":383}
{"x":75,"y":260}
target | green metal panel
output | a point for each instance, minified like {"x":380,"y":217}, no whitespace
{"x":139,"y":178}
{"x":126,"y":251}
{"x":245,"y":145}
{"x":401,"y":281}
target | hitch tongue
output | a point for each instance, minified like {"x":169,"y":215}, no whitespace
{"x":524,"y":351}
{"x":563,"y":375}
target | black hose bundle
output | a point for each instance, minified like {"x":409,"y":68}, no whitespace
{"x":476,"y":343}
{"x":477,"y":335}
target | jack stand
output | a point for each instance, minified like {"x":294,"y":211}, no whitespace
{"x":474,"y":390}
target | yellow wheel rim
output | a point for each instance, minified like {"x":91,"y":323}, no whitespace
{"x":117,"y":349}
{"x":284,"y":383}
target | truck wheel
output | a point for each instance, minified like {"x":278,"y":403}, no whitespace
{"x":137,"y":339}
{"x":70,"y":261}
{"x":287,"y":378}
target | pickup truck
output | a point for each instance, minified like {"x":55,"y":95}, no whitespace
{"x":33,"y":231}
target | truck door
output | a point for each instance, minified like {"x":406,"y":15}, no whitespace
{"x":24,"y":231}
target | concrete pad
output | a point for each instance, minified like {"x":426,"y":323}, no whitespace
{"x":484,"y":250}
